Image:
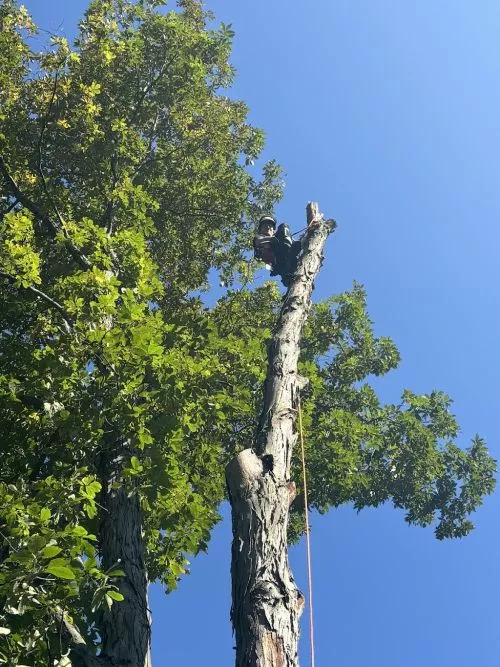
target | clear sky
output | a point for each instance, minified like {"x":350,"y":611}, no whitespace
{"x":388,"y":114}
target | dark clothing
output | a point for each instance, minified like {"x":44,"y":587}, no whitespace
{"x":263,"y":248}
{"x":280,"y":251}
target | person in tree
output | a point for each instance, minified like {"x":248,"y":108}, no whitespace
{"x":276,"y":248}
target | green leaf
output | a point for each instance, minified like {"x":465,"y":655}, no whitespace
{"x":89,"y":563}
{"x":59,"y":571}
{"x":50,"y":551}
{"x":45,"y":514}
{"x":93,"y":489}
{"x":115,"y":595}
{"x":90,"y":509}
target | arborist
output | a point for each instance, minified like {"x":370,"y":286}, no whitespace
{"x":276,"y":248}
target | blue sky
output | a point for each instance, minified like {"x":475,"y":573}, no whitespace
{"x":387,"y":113}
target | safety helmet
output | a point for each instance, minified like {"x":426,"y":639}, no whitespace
{"x":266,"y":220}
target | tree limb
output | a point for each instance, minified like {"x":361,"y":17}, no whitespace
{"x":34,"y":290}
{"x":9,"y":208}
{"x":148,"y":88}
{"x":103,"y":365}
{"x":80,"y":655}
{"x":39,"y":155}
{"x":52,"y":227}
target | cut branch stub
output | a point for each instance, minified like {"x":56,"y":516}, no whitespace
{"x":266,"y":602}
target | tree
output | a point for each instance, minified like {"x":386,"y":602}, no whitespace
{"x":389,"y":452}
{"x":266,"y":601}
{"x":124,"y":182}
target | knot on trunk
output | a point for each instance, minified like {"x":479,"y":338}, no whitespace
{"x":243,"y":473}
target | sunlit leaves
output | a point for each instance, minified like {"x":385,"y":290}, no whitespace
{"x":18,"y":255}
{"x":127,"y":153}
{"x":363,"y":452}
{"x":135,"y":158}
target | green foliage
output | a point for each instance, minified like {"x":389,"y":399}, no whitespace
{"x":48,"y":560}
{"x":362,"y":452}
{"x":124,"y":182}
{"x":18,"y":257}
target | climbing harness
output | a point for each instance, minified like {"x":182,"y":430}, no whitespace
{"x":308,"y":536}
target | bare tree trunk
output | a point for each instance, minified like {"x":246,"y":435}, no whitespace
{"x":266,"y":602}
{"x":125,"y":627}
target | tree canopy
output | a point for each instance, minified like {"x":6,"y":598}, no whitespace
{"x":125,"y":187}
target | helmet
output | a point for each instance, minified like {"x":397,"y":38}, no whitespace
{"x":267,"y":220}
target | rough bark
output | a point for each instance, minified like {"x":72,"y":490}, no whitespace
{"x":266,"y":602}
{"x":79,"y":655}
{"x":125,"y":628}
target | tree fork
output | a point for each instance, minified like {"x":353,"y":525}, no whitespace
{"x":266,"y":603}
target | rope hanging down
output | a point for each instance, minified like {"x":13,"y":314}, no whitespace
{"x":308,"y":537}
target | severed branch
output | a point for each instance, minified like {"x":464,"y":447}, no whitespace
{"x":53,"y":228}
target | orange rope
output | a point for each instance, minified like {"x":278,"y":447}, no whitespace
{"x":308,"y":538}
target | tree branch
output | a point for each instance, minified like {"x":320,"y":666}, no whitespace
{"x":103,"y":365}
{"x":53,"y":228}
{"x":110,"y":207}
{"x":34,"y":290}
{"x":39,"y":154}
{"x":9,"y":208}
{"x":148,"y":88}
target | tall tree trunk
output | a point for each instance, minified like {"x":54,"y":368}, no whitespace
{"x":125,"y":627}
{"x":266,"y":602}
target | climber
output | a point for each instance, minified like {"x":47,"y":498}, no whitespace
{"x":276,"y":248}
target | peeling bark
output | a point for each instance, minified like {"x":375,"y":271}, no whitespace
{"x":266,"y":601}
{"x":79,"y":654}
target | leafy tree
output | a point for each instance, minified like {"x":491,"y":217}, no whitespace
{"x":123,"y":183}
{"x":124,"y":171}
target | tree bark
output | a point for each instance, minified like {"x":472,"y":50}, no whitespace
{"x":125,"y":628}
{"x":266,"y":602}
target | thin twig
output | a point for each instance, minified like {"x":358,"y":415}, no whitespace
{"x":148,"y":88}
{"x":9,"y":542}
